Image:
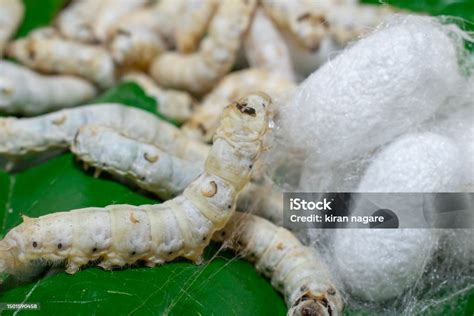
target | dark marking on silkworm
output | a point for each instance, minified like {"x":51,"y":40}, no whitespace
{"x":124,"y":32}
{"x":60,"y":246}
{"x":94,"y":249}
{"x":331,"y":291}
{"x":303,"y":16}
{"x":151,"y":158}
{"x":212,"y":190}
{"x":203,"y":129}
{"x":35,"y":244}
{"x":243,"y":108}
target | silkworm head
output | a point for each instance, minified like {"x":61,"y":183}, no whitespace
{"x":247,"y":118}
{"x":313,"y":305}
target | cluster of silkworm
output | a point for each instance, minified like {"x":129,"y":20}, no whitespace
{"x":232,"y":75}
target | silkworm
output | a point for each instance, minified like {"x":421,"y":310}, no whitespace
{"x":24,"y":136}
{"x":61,"y":56}
{"x":23,"y":91}
{"x":199,"y":72}
{"x":265,"y":47}
{"x":156,"y":171}
{"x":143,"y":164}
{"x":109,"y":13}
{"x":75,"y":21}
{"x":295,"y":270}
{"x":124,"y":234}
{"x":348,"y":22}
{"x":11,"y":15}
{"x":194,"y":22}
{"x":302,"y":18}
{"x":205,"y":119}
{"x":171,"y":103}
{"x":134,"y":44}
{"x":380,"y":264}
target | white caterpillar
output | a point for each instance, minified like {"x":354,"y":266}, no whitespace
{"x":23,"y":91}
{"x":295,"y":270}
{"x":161,"y":173}
{"x":306,"y":24}
{"x":75,"y":21}
{"x":61,"y":56}
{"x":19,"y":137}
{"x":199,"y":72}
{"x":193,"y":24}
{"x":11,"y":15}
{"x":265,"y":47}
{"x":124,"y":234}
{"x":109,"y":13}
{"x":136,"y":43}
{"x":309,"y":22}
{"x":171,"y":103}
{"x":205,"y":120}
{"x":143,"y":164}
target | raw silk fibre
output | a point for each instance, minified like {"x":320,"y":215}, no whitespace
{"x":374,"y":91}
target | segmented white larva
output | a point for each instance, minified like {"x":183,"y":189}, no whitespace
{"x":295,"y":270}
{"x":143,"y":164}
{"x":23,"y":91}
{"x":20,"y":137}
{"x":75,"y":21}
{"x":165,"y":175}
{"x":109,"y":13}
{"x":307,"y":24}
{"x":193,"y":24}
{"x":199,"y":72}
{"x":171,"y":103}
{"x":205,"y":119}
{"x":134,"y":42}
{"x":350,"y":22}
{"x":62,"y":56}
{"x":11,"y":15}
{"x":124,"y":234}
{"x":265,"y":47}
{"x":310,"y":21}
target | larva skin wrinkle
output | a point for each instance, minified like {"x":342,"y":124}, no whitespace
{"x":146,"y":166}
{"x":380,"y":264}
{"x":299,"y":17}
{"x":27,"y":136}
{"x":200,"y":71}
{"x":140,"y":163}
{"x":61,"y":56}
{"x":75,"y":21}
{"x":265,"y":47}
{"x":205,"y":120}
{"x":136,"y":47}
{"x":295,"y":270}
{"x":175,"y":104}
{"x":193,"y":24}
{"x":11,"y":15}
{"x":25,"y":92}
{"x":110,"y":11}
{"x":124,"y":234}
